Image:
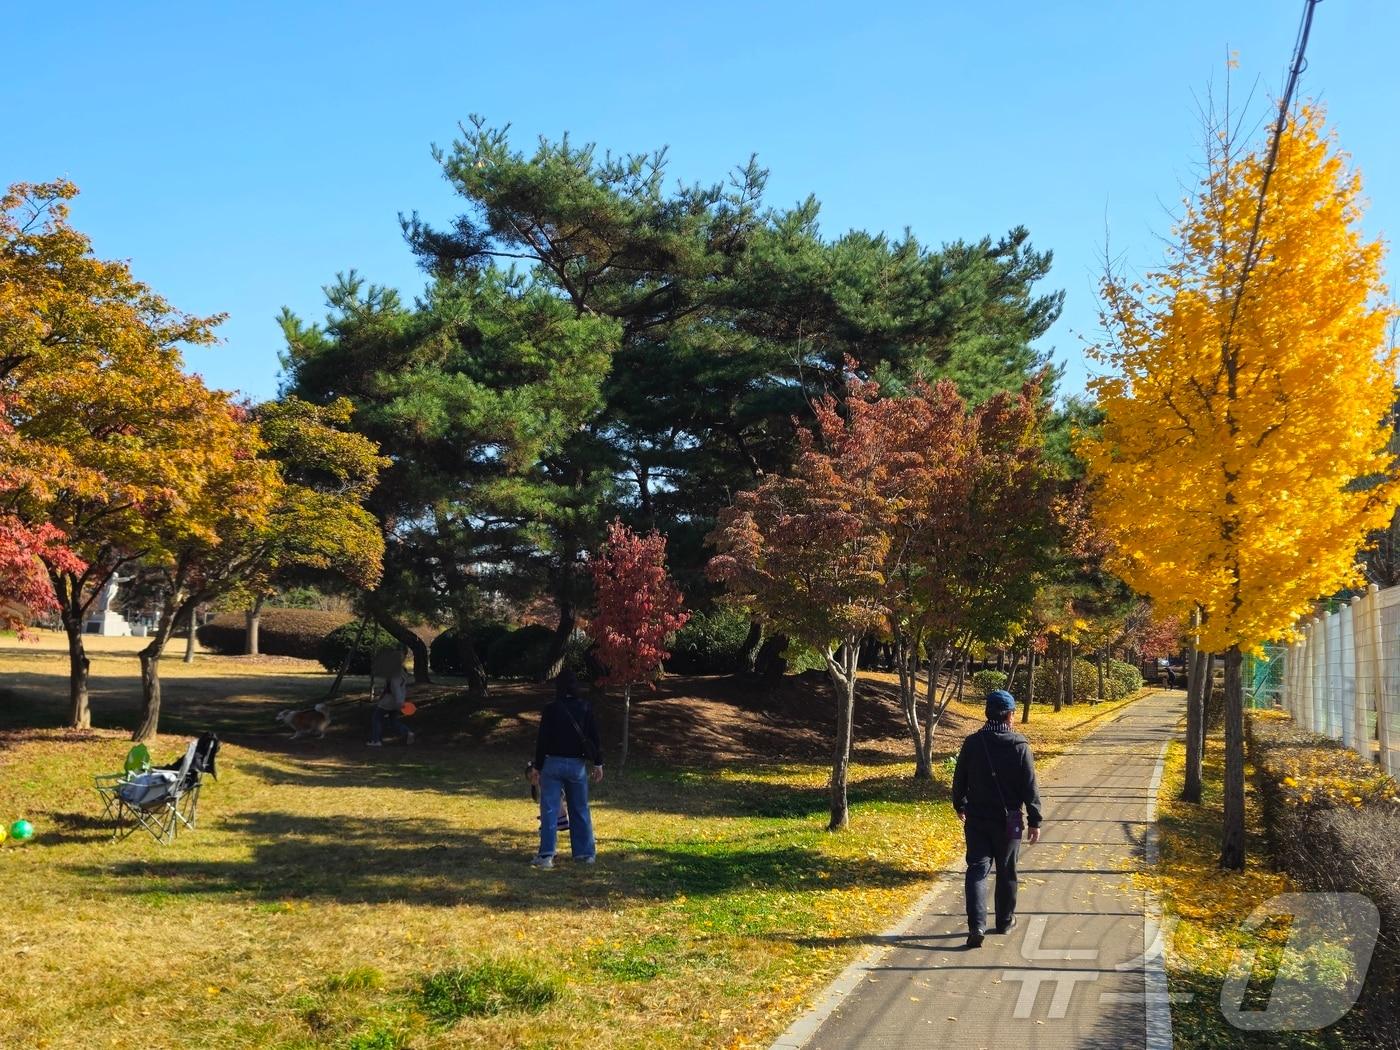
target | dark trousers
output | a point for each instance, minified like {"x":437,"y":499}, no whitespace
{"x":988,"y":845}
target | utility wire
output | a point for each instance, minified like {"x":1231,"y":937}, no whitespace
{"x":1295,"y":71}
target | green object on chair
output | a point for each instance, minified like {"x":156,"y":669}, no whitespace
{"x":138,"y":760}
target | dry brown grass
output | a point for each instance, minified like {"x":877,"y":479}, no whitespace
{"x":324,"y":881}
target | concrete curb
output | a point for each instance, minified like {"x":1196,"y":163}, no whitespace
{"x":1157,"y":999}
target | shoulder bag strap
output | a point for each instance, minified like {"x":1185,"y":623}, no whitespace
{"x":587,"y":748}
{"x":996,"y":781}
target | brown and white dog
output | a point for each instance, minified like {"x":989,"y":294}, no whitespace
{"x":304,"y":723}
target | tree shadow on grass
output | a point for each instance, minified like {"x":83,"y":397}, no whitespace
{"x":419,"y":860}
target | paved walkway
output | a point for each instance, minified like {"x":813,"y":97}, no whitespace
{"x":1074,"y":972}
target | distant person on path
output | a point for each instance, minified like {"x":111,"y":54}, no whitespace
{"x":567,"y":739}
{"x":389,"y":663}
{"x":993,"y":778}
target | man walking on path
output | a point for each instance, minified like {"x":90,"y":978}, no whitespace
{"x":993,"y":778}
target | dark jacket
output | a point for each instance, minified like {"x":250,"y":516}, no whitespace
{"x":557,"y":735}
{"x":975,"y":789}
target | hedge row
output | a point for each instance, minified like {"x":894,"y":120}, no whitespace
{"x":371,"y":638}
{"x":281,"y":632}
{"x":709,"y":643}
{"x":504,"y":651}
{"x":1119,"y":680}
{"x":1333,"y":822}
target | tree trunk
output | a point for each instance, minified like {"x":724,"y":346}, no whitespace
{"x":841,"y":667}
{"x":962,"y":676}
{"x":404,"y":636}
{"x":770,"y":663}
{"x":1232,"y":850}
{"x":1030,"y":683}
{"x":1069,"y":672}
{"x":1011,"y":671}
{"x":189,"y":638}
{"x":1101,"y":659}
{"x":936,"y":708}
{"x":748,"y":653}
{"x":559,"y":645}
{"x":253,"y":624}
{"x":626,"y":722}
{"x":1059,"y":664}
{"x":150,"y":672}
{"x":478,"y":683}
{"x":79,"y":714}
{"x":1195,"y":725}
{"x":345,"y":660}
{"x":907,"y":664}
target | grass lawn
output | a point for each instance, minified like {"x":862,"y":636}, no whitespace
{"x":1209,"y":905}
{"x":334,"y":897}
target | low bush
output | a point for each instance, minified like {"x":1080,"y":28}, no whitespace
{"x":520,"y":653}
{"x":446,"y":655}
{"x":1215,"y":710}
{"x":984,"y":682}
{"x":709,"y":643}
{"x":1084,"y":679}
{"x":281,"y":632}
{"x":485,"y":990}
{"x":335,"y":645}
{"x":1333,"y":822}
{"x":1121,"y":679}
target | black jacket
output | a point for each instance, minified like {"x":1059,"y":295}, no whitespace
{"x":557,"y":735}
{"x":974,"y":788}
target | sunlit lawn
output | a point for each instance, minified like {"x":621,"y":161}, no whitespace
{"x":325,"y":883}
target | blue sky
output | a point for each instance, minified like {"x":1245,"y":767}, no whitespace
{"x":239,"y":154}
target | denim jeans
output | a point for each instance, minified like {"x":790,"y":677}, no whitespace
{"x":569,"y":775}
{"x":377,"y":718}
{"x":988,"y":845}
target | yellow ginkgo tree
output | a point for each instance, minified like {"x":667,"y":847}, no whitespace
{"x":1242,"y":458}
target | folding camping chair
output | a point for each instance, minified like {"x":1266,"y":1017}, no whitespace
{"x":138,"y":760}
{"x":162,"y":799}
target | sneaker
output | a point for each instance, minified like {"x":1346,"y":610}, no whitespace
{"x":585,"y":860}
{"x":408,"y":737}
{"x":373,"y":743}
{"x":542,"y":862}
{"x":1007,"y":926}
{"x":974,"y":940}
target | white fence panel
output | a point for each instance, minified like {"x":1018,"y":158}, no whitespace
{"x":1343,"y":676}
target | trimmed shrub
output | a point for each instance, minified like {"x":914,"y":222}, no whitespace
{"x":335,"y":645}
{"x":1084,"y":678}
{"x":1120,"y":679}
{"x":1333,"y":822}
{"x":709,"y":643}
{"x":445,"y":655}
{"x":983,"y":682}
{"x":281,"y":632}
{"x":519,"y":653}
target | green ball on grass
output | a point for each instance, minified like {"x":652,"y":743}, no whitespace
{"x":21,"y":831}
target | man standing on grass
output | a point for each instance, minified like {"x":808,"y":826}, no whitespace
{"x":993,"y":778}
{"x":567,"y":739}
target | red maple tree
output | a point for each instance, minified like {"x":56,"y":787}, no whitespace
{"x":25,"y":590}
{"x":638,"y":606}
{"x":807,"y":551}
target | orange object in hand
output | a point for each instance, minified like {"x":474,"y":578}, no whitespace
{"x":408,"y":708}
